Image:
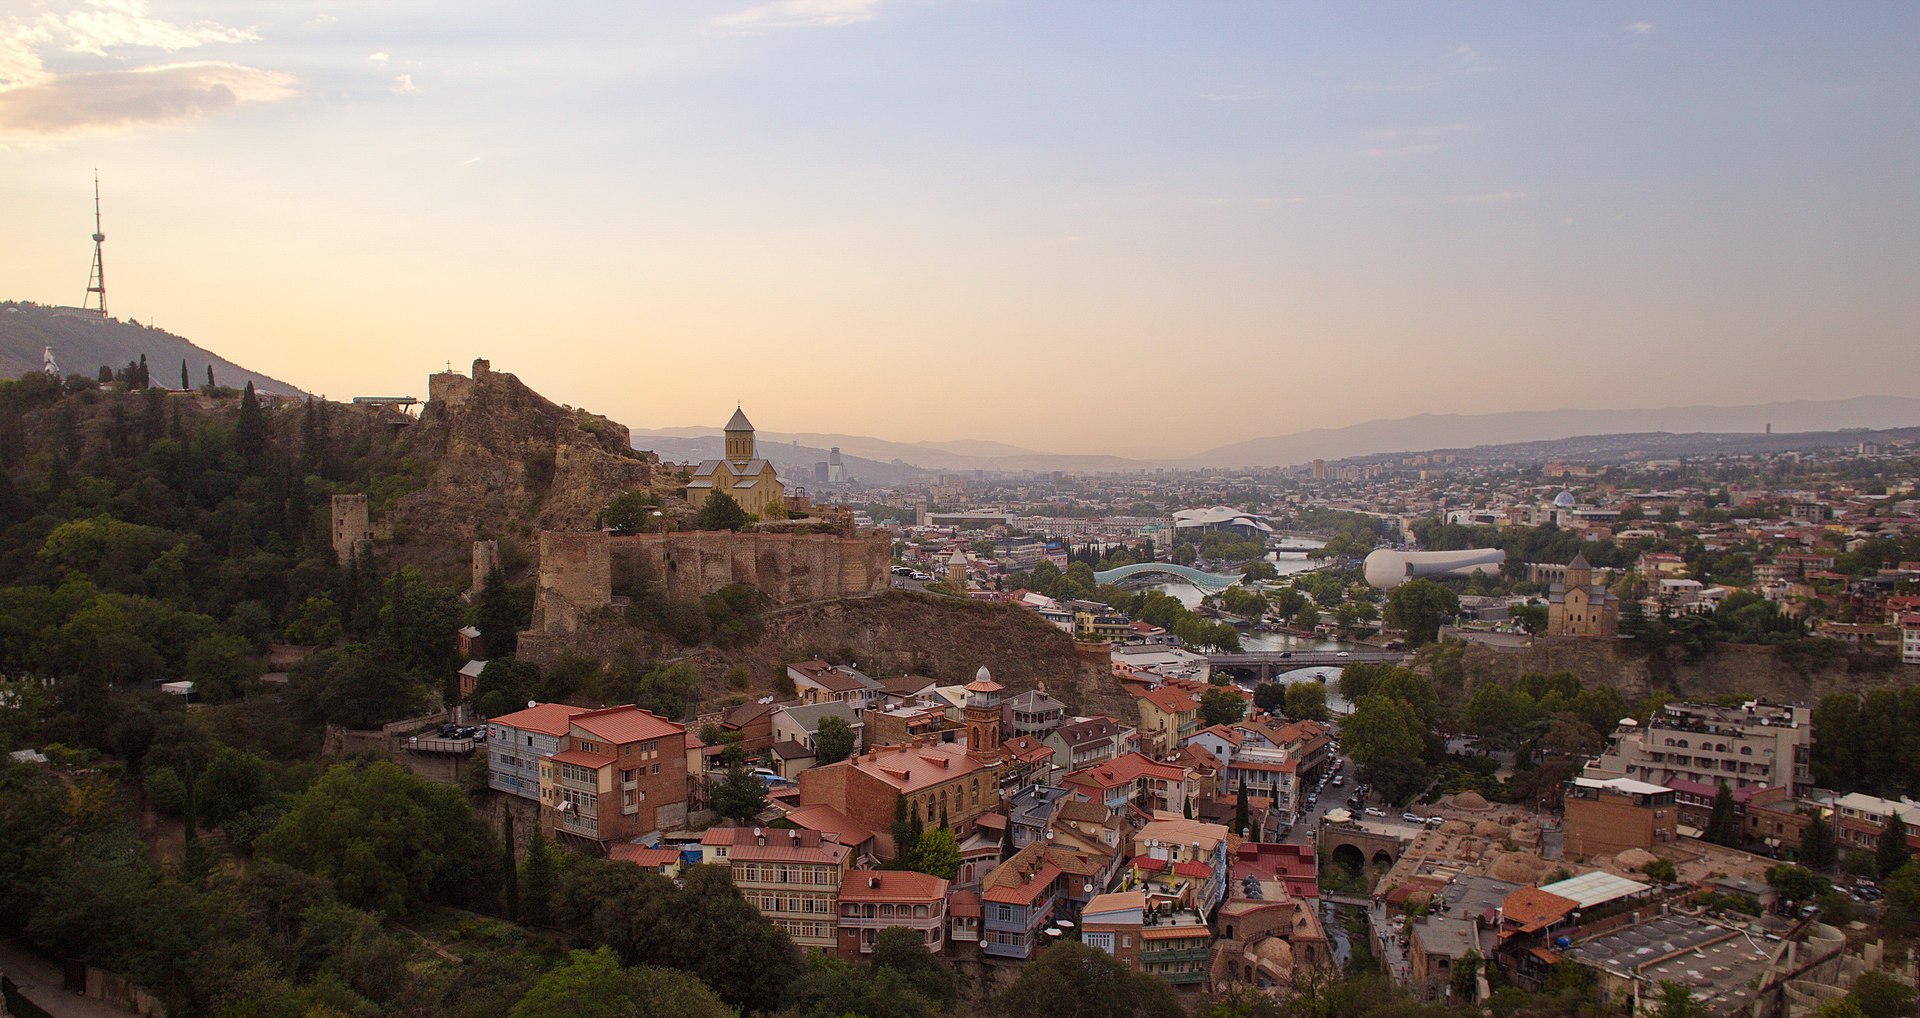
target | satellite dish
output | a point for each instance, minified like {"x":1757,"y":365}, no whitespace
{"x":533,"y":703}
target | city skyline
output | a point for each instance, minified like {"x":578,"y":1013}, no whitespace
{"x":924,"y":212}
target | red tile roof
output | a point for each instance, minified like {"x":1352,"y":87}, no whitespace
{"x":1534,"y":909}
{"x":627,"y":723}
{"x":1029,"y":888}
{"x":641,"y":855}
{"x":912,"y":768}
{"x":545,"y":718}
{"x":1125,"y":770}
{"x":892,"y":885}
{"x":829,"y":821}
{"x":964,"y":904}
{"x":1192,"y":868}
{"x":1171,"y":701}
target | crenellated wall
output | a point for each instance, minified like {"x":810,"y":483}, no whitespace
{"x":786,"y":567}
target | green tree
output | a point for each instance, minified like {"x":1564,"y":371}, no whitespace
{"x":505,"y":685}
{"x":1675,"y":1000}
{"x":385,"y":838}
{"x":509,"y":866}
{"x":1879,"y":995}
{"x":904,"y":950}
{"x":165,"y":792}
{"x":1306,"y":701}
{"x":1464,"y":985}
{"x":721,"y":512}
{"x":1270,"y":696}
{"x":1242,"y":814}
{"x":1818,"y":848}
{"x":233,"y":785}
{"x":1532,"y":617}
{"x":221,"y":666}
{"x":250,"y":431}
{"x":500,"y":612}
{"x":1221,"y":705}
{"x":1795,"y":884}
{"x":1070,"y":978}
{"x":1892,"y":852}
{"x":1384,"y":737}
{"x":1420,"y":607}
{"x":538,"y":879}
{"x":833,"y":742}
{"x":591,"y":984}
{"x":630,"y":512}
{"x":1661,"y":871}
{"x":739,"y":796}
{"x":315,"y":623}
{"x":1723,"y":823}
{"x":937,"y":853}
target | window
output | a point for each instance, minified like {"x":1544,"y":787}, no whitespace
{"x":656,"y":768}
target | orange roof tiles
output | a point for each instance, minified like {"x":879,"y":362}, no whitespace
{"x":1125,"y":769}
{"x":641,"y":855}
{"x":1171,"y":701}
{"x":891,"y":885}
{"x":627,"y":723}
{"x":1534,"y":909}
{"x":912,"y":768}
{"x":1029,"y":888}
{"x":545,"y":718}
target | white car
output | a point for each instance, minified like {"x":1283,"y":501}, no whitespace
{"x":1342,"y":654}
{"x":1413,"y":818}
{"x":1370,"y":811}
{"x":922,"y":576}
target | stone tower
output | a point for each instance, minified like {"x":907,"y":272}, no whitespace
{"x":486,"y":558}
{"x":351,"y":529}
{"x":983,"y":716}
{"x":739,"y":437}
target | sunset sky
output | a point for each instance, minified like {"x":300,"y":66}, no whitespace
{"x":1136,"y":228}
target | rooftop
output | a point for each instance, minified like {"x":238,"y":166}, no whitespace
{"x":1595,"y":888}
{"x":545,"y":718}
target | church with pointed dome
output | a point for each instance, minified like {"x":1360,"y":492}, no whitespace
{"x":741,"y":474}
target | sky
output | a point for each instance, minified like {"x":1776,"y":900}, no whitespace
{"x":1144,"y":229}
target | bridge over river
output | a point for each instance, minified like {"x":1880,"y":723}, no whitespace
{"x":1212,"y":583}
{"x":1265,"y":664}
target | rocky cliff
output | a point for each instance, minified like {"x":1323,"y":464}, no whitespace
{"x":1731,"y":668}
{"x":500,"y":460}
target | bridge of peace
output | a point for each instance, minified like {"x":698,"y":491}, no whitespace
{"x":1265,"y":664}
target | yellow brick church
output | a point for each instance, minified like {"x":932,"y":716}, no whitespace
{"x":751,"y":481}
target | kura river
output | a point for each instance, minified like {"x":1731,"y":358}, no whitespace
{"x":1291,"y":558}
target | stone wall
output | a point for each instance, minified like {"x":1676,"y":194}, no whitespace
{"x":351,"y":527}
{"x":1744,"y":669}
{"x":576,"y":579}
{"x":788,"y":568}
{"x":486,"y":558}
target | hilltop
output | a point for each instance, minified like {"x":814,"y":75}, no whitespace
{"x":83,"y":343}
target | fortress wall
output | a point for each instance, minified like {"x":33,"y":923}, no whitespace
{"x":788,"y":568}
{"x":576,"y":577}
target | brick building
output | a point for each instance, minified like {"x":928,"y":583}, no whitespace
{"x":517,"y":742}
{"x":875,"y":900}
{"x":792,"y":876}
{"x":931,"y":777}
{"x":1607,"y":817}
{"x":621,"y":772}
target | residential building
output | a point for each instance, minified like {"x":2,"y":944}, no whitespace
{"x":1436,"y":947}
{"x":1112,"y":923}
{"x":909,"y":721}
{"x":1168,"y":718}
{"x":1029,"y":761}
{"x":1861,"y":817}
{"x":1137,"y":780}
{"x":1174,"y":946}
{"x":1084,"y":742}
{"x":754,"y":722}
{"x":1033,"y":714}
{"x":800,"y":723}
{"x":1754,"y":744}
{"x":621,"y":773}
{"x":1695,"y":801}
{"x":1030,"y":813}
{"x":1267,"y":938}
{"x":819,"y":682}
{"x":1017,"y":901}
{"x":963,"y":917}
{"x":933,"y":778}
{"x":517,"y":742}
{"x":1529,"y":920}
{"x":1910,"y":639}
{"x":875,"y":900}
{"x":1607,"y":817}
{"x":792,"y":876}
{"x":1194,"y":857}
{"x":664,"y":861}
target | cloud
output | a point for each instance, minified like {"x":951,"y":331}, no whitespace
{"x":169,"y":93}
{"x":403,"y":83}
{"x":1490,"y":196}
{"x":1467,"y":60}
{"x":100,"y":24}
{"x":377,"y":58}
{"x":1640,"y":27}
{"x":37,"y":101}
{"x":800,"y":14}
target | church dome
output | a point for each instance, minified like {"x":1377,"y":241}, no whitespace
{"x":1564,"y":500}
{"x":983,"y":675}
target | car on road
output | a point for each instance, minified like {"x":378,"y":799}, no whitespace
{"x":1413,"y":818}
{"x":1370,"y":811}
{"x":922,"y":575}
{"x":1342,"y":654}
{"x":1338,"y":781}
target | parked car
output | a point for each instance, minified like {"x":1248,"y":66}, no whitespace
{"x":1370,"y":811}
{"x":1413,"y":818}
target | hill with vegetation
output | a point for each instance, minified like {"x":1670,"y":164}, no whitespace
{"x":83,"y":344}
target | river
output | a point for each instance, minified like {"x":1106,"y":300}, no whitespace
{"x":1291,"y":558}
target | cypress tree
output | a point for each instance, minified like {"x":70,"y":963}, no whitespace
{"x":1723,"y":827}
{"x":1892,"y":851}
{"x":536,"y":894}
{"x":183,"y":375}
{"x":209,"y":376}
{"x":1241,"y":815}
{"x":509,"y":867}
{"x":250,"y":432}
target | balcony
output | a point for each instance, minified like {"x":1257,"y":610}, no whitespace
{"x":1170,"y":957}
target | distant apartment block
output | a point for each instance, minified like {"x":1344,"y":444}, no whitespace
{"x":1752,"y":745}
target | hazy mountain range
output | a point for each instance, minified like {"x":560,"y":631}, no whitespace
{"x":82,"y":344}
{"x":1407,"y":434}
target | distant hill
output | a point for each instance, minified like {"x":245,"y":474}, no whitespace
{"x":82,"y":344}
{"x":958,"y":455}
{"x":1460,"y":431}
{"x":793,"y":461}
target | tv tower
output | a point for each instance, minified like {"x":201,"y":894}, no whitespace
{"x":97,"y":280}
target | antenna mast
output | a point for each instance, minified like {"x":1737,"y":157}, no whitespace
{"x":97,"y":280}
